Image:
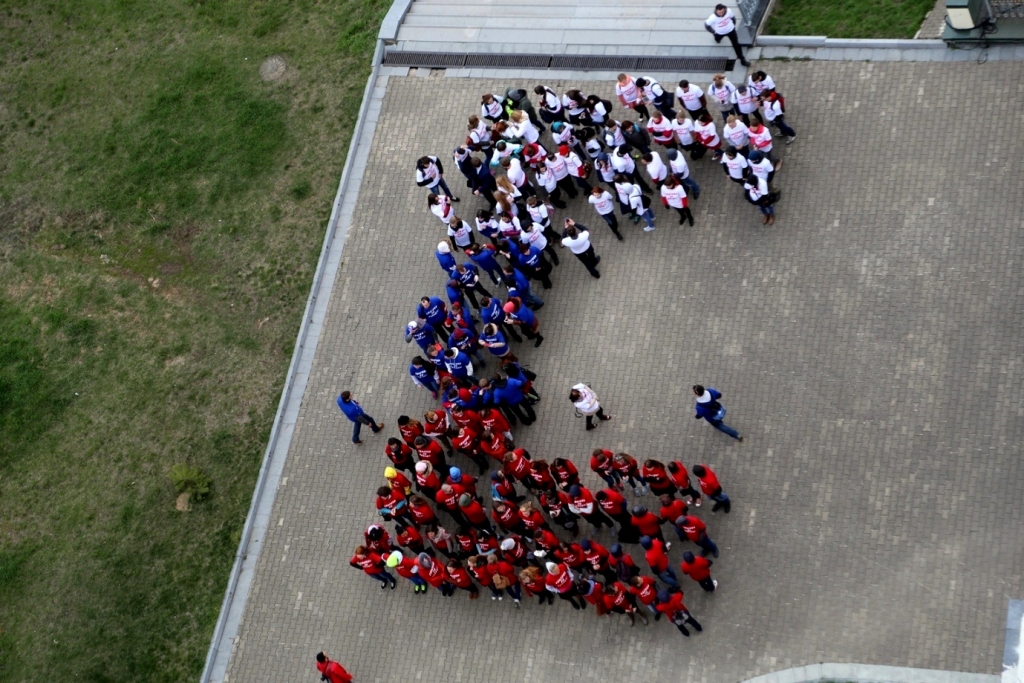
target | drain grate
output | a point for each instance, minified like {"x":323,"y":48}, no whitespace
{"x":458,"y":60}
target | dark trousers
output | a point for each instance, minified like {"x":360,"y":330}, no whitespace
{"x":613,"y":223}
{"x":681,"y":619}
{"x":638,"y":179}
{"x":598,"y":519}
{"x":359,"y":422}
{"x":685,"y":215}
{"x":583,"y":184}
{"x":590,"y":260}
{"x":474,"y":289}
{"x":541,"y":273}
{"x":641,"y":109}
{"x":664,"y":105}
{"x":522,"y":410}
{"x":600,"y":416}
{"x":567,"y":185}
{"x":735,"y":40}
{"x":527,"y":189}
{"x":707,"y":584}
{"x":556,"y":197}
{"x":784,"y":128}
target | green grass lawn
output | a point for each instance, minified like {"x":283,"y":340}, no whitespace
{"x":161,"y":212}
{"x":848,"y":18}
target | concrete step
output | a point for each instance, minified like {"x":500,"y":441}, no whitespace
{"x":551,"y":23}
{"x":546,"y":10}
{"x":595,"y":38}
{"x":471,"y":46}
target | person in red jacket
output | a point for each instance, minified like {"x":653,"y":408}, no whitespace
{"x":391,"y":503}
{"x":561,"y":582}
{"x":482,"y":572}
{"x":645,"y":589}
{"x":565,"y":473}
{"x":448,"y":499}
{"x":509,"y":578}
{"x":557,"y":507}
{"x":407,"y":568}
{"x":571,"y":555}
{"x":681,"y":479}
{"x":581,"y":502}
{"x":691,"y":528}
{"x":464,"y":417}
{"x":622,"y":563}
{"x":427,"y":481}
{"x":592,"y":592}
{"x":532,"y":580}
{"x":514,"y":551}
{"x":496,"y":422}
{"x":372,"y":564}
{"x":699,"y":569}
{"x":399,"y":454}
{"x":601,"y":464}
{"x":671,"y":605}
{"x":648,"y":524}
{"x":397,"y":480}
{"x":618,"y":599}
{"x":377,"y":540}
{"x":474,"y":512}
{"x":711,"y":488}
{"x":545,"y":540}
{"x":503,"y":488}
{"x":433,"y":572}
{"x":656,"y":477}
{"x":671,"y":508}
{"x":330,"y":670}
{"x":627,"y":468}
{"x":533,"y":518}
{"x":407,"y":536}
{"x":466,"y":481}
{"x":517,"y":465}
{"x":657,"y":560}
{"x":540,"y":473}
{"x":465,"y":542}
{"x":421,"y":512}
{"x":437,"y":425}
{"x":467,"y":443}
{"x":409,"y":428}
{"x":429,"y":450}
{"x":508,"y":517}
{"x":596,"y":556}
{"x":460,"y":578}
{"x":613,"y":504}
{"x":494,"y":445}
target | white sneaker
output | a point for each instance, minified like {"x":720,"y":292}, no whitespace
{"x":501,"y":597}
{"x":648,"y":228}
{"x":494,"y":597}
{"x":697,"y":503}
{"x":668,"y":545}
{"x":714,"y":583}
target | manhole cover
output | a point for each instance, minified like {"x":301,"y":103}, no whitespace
{"x":272,"y":68}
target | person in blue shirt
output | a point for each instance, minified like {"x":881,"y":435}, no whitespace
{"x":445,"y":258}
{"x":513,"y":370}
{"x":464,"y":341}
{"x":508,"y":395}
{"x":494,"y":341}
{"x":354,"y":412}
{"x":513,"y":277}
{"x":521,"y":316}
{"x":532,"y":260}
{"x":459,"y":365}
{"x":490,"y":312}
{"x":420,"y":332}
{"x":433,"y":310}
{"x":483,"y":256}
{"x":424,"y":374}
{"x":460,"y":316}
{"x":468,"y":276}
{"x":708,"y":408}
{"x":484,"y":184}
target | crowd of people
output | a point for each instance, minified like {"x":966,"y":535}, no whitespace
{"x":531,"y":542}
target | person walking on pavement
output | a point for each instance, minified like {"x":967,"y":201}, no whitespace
{"x":330,"y":670}
{"x":354,"y":412}
{"x":710,"y":409}
{"x":699,"y":569}
{"x":722,"y":24}
{"x":577,"y":238}
{"x":671,"y":603}
{"x":690,"y":528}
{"x":604,"y":204}
{"x":585,"y":400}
{"x":657,"y":560}
{"x":712,"y":488}
{"x":430,"y":174}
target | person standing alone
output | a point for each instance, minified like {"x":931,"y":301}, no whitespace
{"x":722,"y":24}
{"x":577,"y":238}
{"x":710,"y":409}
{"x":585,"y":400}
{"x":354,"y":412}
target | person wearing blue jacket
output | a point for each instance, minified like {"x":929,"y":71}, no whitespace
{"x":483,"y":256}
{"x":491,"y":312}
{"x":433,"y":310}
{"x":459,"y":365}
{"x":464,"y":340}
{"x":508,"y":395}
{"x":494,"y":340}
{"x":708,"y":408}
{"x":424,"y":374}
{"x":420,"y":332}
{"x":532,"y":259}
{"x":468,"y":276}
{"x":445,"y":258}
{"x":513,"y":277}
{"x":354,"y":412}
{"x":520,"y":315}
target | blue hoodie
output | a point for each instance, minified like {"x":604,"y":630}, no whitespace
{"x":519,"y":279}
{"x":469,"y":277}
{"x":351,"y":408}
{"x":525,"y":316}
{"x":425,"y":374}
{"x":459,"y":365}
{"x":493,"y":313}
{"x":422,"y":335}
{"x":496,"y":338}
{"x":511,"y":394}
{"x":454,"y":293}
{"x":435,"y":313}
{"x":447,"y":261}
{"x":485,"y":259}
{"x":707,"y":409}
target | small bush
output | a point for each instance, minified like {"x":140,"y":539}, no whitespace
{"x":190,"y":480}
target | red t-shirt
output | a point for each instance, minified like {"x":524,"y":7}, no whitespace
{"x":411,"y":431}
{"x":698,"y":570}
{"x":474,"y":512}
{"x":669,"y":513}
{"x":648,"y":524}
{"x":693,"y":528}
{"x":422,"y":514}
{"x":673,"y":606}
{"x":656,"y":557}
{"x":561,"y":581}
{"x":647,"y":593}
{"x":459,"y":577}
{"x":507,"y":518}
{"x":400,"y":456}
{"x":369,"y":563}
{"x":334,"y":672}
{"x":495,"y":421}
{"x":709,"y":482}
{"x":602,"y":468}
{"x":432,"y":453}
{"x":613,"y":502}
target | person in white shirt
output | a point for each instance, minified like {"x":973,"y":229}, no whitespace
{"x":654,"y":94}
{"x":459,"y":233}
{"x":491,"y":109}
{"x":591,"y":142}
{"x":514,"y":168}
{"x":604,"y":203}
{"x":674,"y":195}
{"x":760,"y":83}
{"x":564,"y":134}
{"x":522,"y":127}
{"x":430,"y":174}
{"x":574,"y":103}
{"x":746,"y":102}
{"x":630,"y":96}
{"x":707,"y":135}
{"x":604,"y":168}
{"x":613,"y":136}
{"x":577,"y":238}
{"x":598,"y":110}
{"x":578,"y":171}
{"x":479,"y":138}
{"x":557,"y":164}
{"x":504,"y":150}
{"x":546,"y":179}
{"x":585,"y":401}
{"x":722,"y":24}
{"x":760,"y":137}
{"x":679,"y":169}
{"x":758,"y":195}
{"x":655,"y":167}
{"x":639,"y":203}
{"x":660,"y":128}
{"x":682,"y":126}
{"x":762,"y":167}
{"x":440,"y":206}
{"x":550,"y":104}
{"x":737,"y":134}
{"x":692,"y":98}
{"x":533,"y":234}
{"x":622,"y":162}
{"x":721,"y":92}
{"x":487,"y":225}
{"x":772,"y":108}
{"x":540,"y":214}
{"x":734,"y":164}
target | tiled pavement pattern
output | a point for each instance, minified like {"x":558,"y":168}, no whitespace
{"x":868,"y":345}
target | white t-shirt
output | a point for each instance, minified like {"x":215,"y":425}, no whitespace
{"x":580,"y":244}
{"x":481,"y":136}
{"x":746,"y":101}
{"x":722,"y":25}
{"x":574,"y":164}
{"x":604,"y":204}
{"x":683,"y":130}
{"x":525,"y":130}
{"x":492,"y":110}
{"x":550,"y":101}
{"x":737,"y":135}
{"x":534,"y":236}
{"x":462,"y":233}
{"x":762,"y":140}
{"x":723,"y":96}
{"x":661,"y":130}
{"x":606,"y":170}
{"x":564,"y":136}
{"x":627,"y":91}
{"x":652,"y":90}
{"x":623,"y":191}
{"x":762,"y":168}
{"x":443,"y":208}
{"x":491,"y":225}
{"x":708,"y":134}
{"x":623,"y":163}
{"x":656,"y":168}
{"x":613,"y":136}
{"x":558,"y":167}
{"x":599,"y":114}
{"x":516,"y":174}
{"x":572,"y":106}
{"x":430,"y":174}
{"x":690,"y":97}
{"x":679,"y":167}
{"x":758,"y":87}
{"x":772,"y":110}
{"x":675,"y":196}
{"x":756,"y":187}
{"x":546,"y":179}
{"x":539,"y":214}
{"x":593,"y":148}
{"x":736,"y":165}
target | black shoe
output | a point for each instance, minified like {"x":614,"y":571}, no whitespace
{"x":684,"y":631}
{"x":560,"y":205}
{"x":393,"y":586}
{"x":589,"y":427}
{"x":539,"y":341}
{"x":744,"y":62}
{"x":657,"y":616}
{"x":384,"y":585}
{"x":691,"y":222}
{"x":597,"y":260}
{"x":682,"y":221}
{"x":456,"y":199}
{"x":698,"y":627}
{"x":618,"y":235}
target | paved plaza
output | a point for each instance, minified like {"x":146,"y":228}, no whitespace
{"x":868,"y":345}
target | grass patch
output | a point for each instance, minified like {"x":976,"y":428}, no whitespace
{"x":161,"y":211}
{"x":848,"y":18}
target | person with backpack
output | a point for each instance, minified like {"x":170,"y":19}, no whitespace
{"x":551,"y":109}
{"x":628,"y":92}
{"x":655,"y":95}
{"x":774,"y":112}
{"x":708,"y":408}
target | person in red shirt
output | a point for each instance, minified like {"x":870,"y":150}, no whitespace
{"x":561,"y":582}
{"x":618,"y":599}
{"x":448,"y":499}
{"x":508,"y":517}
{"x":565,"y":473}
{"x":581,"y":502}
{"x":391,"y":504}
{"x":691,"y":528}
{"x":377,"y":540}
{"x":601,"y":463}
{"x":427,"y":481}
{"x":441,"y":539}
{"x":421,"y":512}
{"x":557,"y":507}
{"x":433,"y":572}
{"x":483,"y":572}
{"x":681,"y":479}
{"x":486,"y":542}
{"x":437,"y":425}
{"x":474,"y":512}
{"x":532,"y":580}
{"x":711,"y":488}
{"x":540,"y":473}
{"x":545,"y":540}
{"x":496,"y":422}
{"x":593,"y":592}
{"x":671,"y":508}
{"x":533,"y":518}
{"x":399,"y":454}
{"x":613,"y":504}
{"x":407,"y":568}
{"x":429,"y":450}
{"x":596,"y":556}
{"x":509,"y":581}
{"x":645,"y":589}
{"x":330,"y":670}
{"x":503,"y":488}
{"x":494,"y":444}
{"x":657,"y":560}
{"x":622,"y":563}
{"x":466,"y":481}
{"x":409,"y":428}
{"x":671,"y":605}
{"x":656,"y":477}
{"x":407,"y":536}
{"x":648,"y":524}
{"x":465,"y":540}
{"x":699,"y":569}
{"x":517,"y":465}
{"x":372,"y":564}
{"x":397,"y":480}
{"x":467,"y":443}
{"x":514,"y":551}
{"x":627,"y":468}
{"x":460,"y":578}
{"x":464,"y":417}
{"x":571,"y":555}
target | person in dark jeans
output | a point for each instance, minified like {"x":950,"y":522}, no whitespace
{"x":710,"y":409}
{"x":354,"y":412}
{"x":722,"y":24}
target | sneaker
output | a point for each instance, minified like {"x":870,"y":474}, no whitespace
{"x":644,"y":490}
{"x":745,"y":62}
{"x":517,"y":604}
{"x":714,"y":583}
{"x":740,"y":439}
{"x":456,"y":199}
{"x":384,"y":585}
{"x":494,"y":597}
{"x":648,"y":228}
{"x":789,"y":141}
{"x":358,"y":442}
{"x":501,"y":597}
{"x":668,"y":545}
{"x":393,"y":586}
{"x":697,"y":502}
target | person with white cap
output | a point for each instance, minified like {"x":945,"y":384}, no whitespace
{"x":708,"y":408}
{"x":445,"y":258}
{"x":585,"y":400}
{"x":407,"y":568}
{"x":561,"y":581}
